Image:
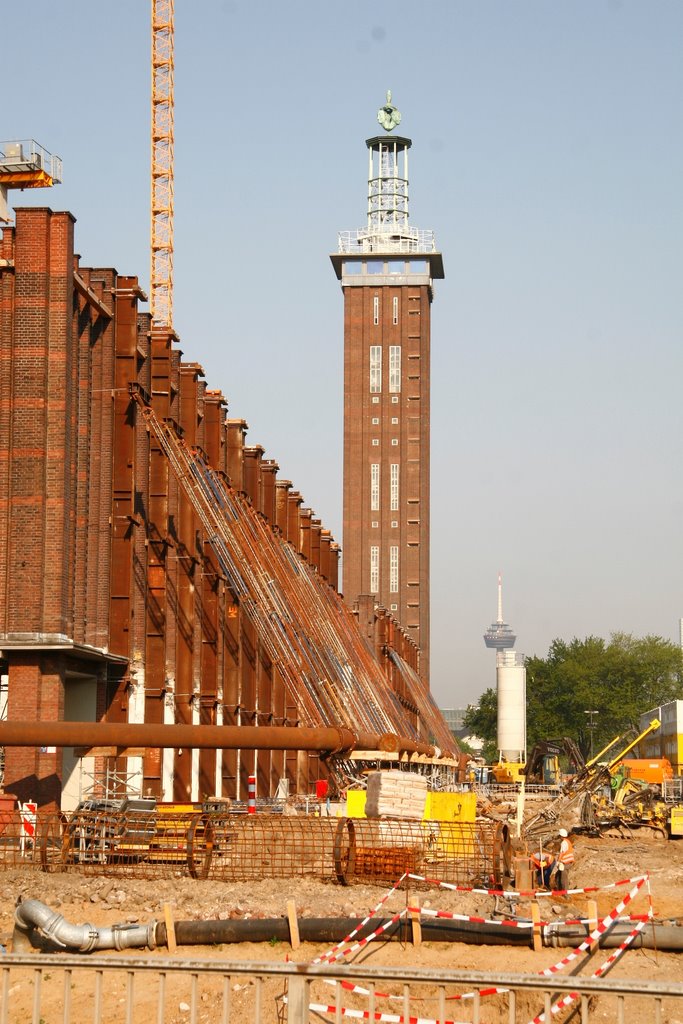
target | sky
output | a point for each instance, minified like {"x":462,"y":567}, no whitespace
{"x":548,"y":159}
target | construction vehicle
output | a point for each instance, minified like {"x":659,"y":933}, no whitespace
{"x":542,"y":766}
{"x":672,"y":792}
{"x":543,"y":763}
{"x":651,"y":770}
{"x":588,"y":800}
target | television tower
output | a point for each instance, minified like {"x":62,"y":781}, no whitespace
{"x":499,"y":635}
{"x":511,"y":694}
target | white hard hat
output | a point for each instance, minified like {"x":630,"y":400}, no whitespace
{"x":563,"y":832}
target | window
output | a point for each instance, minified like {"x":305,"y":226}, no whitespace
{"x":376,"y":401}
{"x":418,"y":266}
{"x":394,"y":523}
{"x":394,"y":399}
{"x":393,"y":487}
{"x":374,"y":524}
{"x":394,"y":419}
{"x":374,"y":569}
{"x":375,"y":368}
{"x":396,"y":266}
{"x":375,"y":421}
{"x":395,"y":317}
{"x":393,"y":569}
{"x":375,"y":442}
{"x":394,"y":368}
{"x":352,"y":267}
{"x":394,"y":607}
{"x":375,"y":310}
{"x":394,"y":441}
{"x":374,"y":487}
{"x":376,"y":266}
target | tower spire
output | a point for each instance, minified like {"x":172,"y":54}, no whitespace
{"x":500,"y":635}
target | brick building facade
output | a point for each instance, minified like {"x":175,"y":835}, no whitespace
{"x":114,"y":606}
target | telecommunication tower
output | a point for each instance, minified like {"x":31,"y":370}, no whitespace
{"x":499,"y":635}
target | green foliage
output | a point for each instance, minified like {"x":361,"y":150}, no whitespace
{"x":482,"y":720}
{"x":621,"y":680}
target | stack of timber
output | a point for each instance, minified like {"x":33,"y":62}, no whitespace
{"x":394,"y":794}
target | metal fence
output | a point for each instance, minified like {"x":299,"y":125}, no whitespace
{"x":47,"y":989}
{"x":234,"y":847}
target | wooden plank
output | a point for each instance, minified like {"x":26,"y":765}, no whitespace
{"x":416,"y":922}
{"x":293,"y":924}
{"x":536,"y":918}
{"x":110,"y":751}
{"x":592,"y":914}
{"x":170,"y":928}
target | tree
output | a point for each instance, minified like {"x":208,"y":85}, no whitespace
{"x":620,"y":680}
{"x":482,"y":720}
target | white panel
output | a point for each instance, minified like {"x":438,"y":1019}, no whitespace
{"x":168,"y":756}
{"x":511,"y":680}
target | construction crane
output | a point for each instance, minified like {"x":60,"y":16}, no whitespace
{"x":25,"y":164}
{"x":161,"y":270}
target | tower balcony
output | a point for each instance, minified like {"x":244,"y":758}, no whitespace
{"x":405,"y":240}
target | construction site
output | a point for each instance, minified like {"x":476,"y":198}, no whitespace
{"x":227,"y":792}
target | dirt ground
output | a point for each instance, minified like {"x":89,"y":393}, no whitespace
{"x":601,"y":860}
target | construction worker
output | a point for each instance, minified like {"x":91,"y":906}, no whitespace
{"x":542,"y":863}
{"x":565,"y":860}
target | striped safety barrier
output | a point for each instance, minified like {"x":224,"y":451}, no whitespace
{"x":603,"y":925}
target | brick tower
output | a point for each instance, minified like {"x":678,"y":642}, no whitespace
{"x":386,"y":271}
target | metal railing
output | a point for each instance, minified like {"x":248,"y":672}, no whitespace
{"x":367,"y":240}
{"x":130,"y":989}
{"x":27,"y":155}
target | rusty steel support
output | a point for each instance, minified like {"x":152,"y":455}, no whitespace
{"x":326,"y":739}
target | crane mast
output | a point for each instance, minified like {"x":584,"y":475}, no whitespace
{"x":161,"y":271}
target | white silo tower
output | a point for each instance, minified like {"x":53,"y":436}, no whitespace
{"x":510,"y":689}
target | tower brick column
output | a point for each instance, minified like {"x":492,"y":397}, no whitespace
{"x":387,"y":271}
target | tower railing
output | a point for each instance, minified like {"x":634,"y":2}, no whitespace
{"x":367,"y":240}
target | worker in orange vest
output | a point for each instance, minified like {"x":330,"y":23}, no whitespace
{"x":543,"y":863}
{"x":565,"y":860}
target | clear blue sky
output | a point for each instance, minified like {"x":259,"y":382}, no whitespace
{"x":548,"y":158}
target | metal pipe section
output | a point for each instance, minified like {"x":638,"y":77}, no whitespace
{"x":324,"y":739}
{"x":36,"y":925}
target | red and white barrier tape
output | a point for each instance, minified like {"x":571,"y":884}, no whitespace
{"x":390,"y":1018}
{"x":470,"y":917}
{"x":332,"y":953}
{"x":612,"y":958}
{"x":602,"y":927}
{"x":594,"y":936}
{"x":526,"y":893}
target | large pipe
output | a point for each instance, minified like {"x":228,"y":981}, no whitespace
{"x":325,"y":739}
{"x":38,"y":926}
{"x":313,"y":929}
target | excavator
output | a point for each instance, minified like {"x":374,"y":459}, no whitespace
{"x":543,"y":763}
